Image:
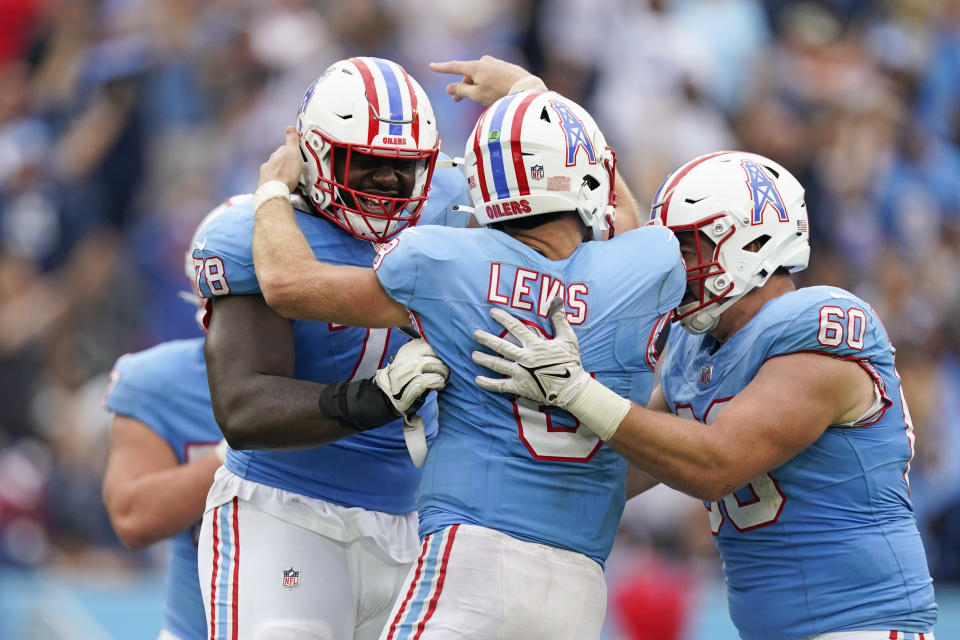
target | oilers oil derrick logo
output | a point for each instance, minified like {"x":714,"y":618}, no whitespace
{"x":576,"y":135}
{"x":305,"y":102}
{"x":291,"y":578}
{"x":536,"y":172}
{"x":763,"y":192}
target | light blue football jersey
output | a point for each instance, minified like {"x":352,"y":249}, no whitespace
{"x":371,"y":469}
{"x":529,"y":471}
{"x":165,"y":388}
{"x":827,"y":541}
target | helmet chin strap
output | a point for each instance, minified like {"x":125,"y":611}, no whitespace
{"x":300,"y":201}
{"x":706,"y":319}
{"x":694,"y":323}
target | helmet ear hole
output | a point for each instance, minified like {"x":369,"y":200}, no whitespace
{"x":592,"y":183}
{"x":756,"y":244}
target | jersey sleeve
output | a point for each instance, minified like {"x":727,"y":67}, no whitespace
{"x":838,"y":324}
{"x":223,"y":252}
{"x":674,"y":282}
{"x":396,"y":265}
{"x":419,"y":261}
{"x":448,"y":189}
{"x":135,"y":391}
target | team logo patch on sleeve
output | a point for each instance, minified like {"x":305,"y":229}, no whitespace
{"x":291,"y":578}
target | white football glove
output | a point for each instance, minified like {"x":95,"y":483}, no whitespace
{"x":414,"y":371}
{"x":548,"y":371}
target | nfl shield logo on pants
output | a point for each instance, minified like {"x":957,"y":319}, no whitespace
{"x":291,"y":578}
{"x":706,"y":374}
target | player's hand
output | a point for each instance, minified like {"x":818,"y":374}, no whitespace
{"x":484,"y":81}
{"x":414,"y":371}
{"x":285,"y":164}
{"x":547,"y":371}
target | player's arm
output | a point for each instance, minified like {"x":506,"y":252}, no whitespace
{"x":790,"y":402}
{"x":292,"y":280}
{"x":638,"y":480}
{"x":486,"y":80}
{"x":785,"y":408}
{"x":260,"y":405}
{"x":148,"y":494}
{"x":628,"y":212}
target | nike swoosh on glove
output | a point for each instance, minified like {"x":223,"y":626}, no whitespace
{"x":545,"y":371}
{"x":414,"y":371}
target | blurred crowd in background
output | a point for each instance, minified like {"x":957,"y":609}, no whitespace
{"x":122,"y":122}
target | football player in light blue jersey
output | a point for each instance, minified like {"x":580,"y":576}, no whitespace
{"x":518,"y":504}
{"x":165,"y":447}
{"x":160,"y":467}
{"x":795,"y":429}
{"x":310,"y":527}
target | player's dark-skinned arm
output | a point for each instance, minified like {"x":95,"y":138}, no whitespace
{"x":148,"y":494}
{"x":258,"y":404}
{"x":292,"y":280}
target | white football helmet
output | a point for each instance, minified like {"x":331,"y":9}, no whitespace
{"x":368,"y":106}
{"x":733,"y":199}
{"x":535,"y":152}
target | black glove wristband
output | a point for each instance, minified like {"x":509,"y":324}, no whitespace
{"x":358,"y":404}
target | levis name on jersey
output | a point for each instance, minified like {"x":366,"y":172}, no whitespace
{"x":526,"y":288}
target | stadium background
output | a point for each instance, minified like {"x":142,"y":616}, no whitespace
{"x":123,"y":121}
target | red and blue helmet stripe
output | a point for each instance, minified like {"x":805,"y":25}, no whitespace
{"x":501,"y":164}
{"x":392,"y":99}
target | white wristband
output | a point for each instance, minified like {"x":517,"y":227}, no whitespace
{"x":599,"y":409}
{"x":221,"y":450}
{"x":527,"y":83}
{"x":269,"y":190}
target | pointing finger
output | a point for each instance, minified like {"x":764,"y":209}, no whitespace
{"x":462,"y":67}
